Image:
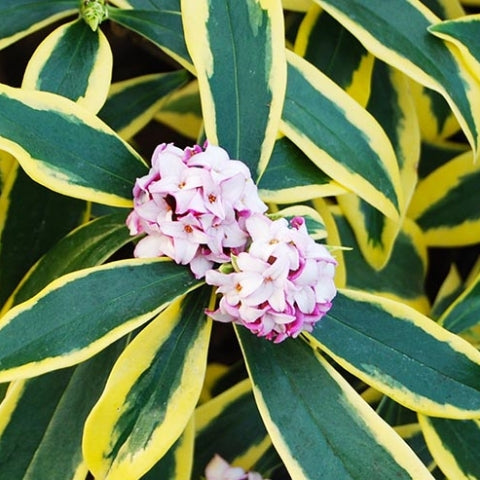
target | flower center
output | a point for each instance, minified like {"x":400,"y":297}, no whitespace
{"x":212,"y":198}
{"x":188,"y":228}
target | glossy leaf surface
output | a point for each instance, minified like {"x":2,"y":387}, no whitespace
{"x":64,"y":147}
{"x":122,"y":295}
{"x":343,"y":434}
{"x":241,"y":114}
{"x":73,"y":47}
{"x":402,"y":353}
{"x":340,"y":137}
{"x":151,"y":393}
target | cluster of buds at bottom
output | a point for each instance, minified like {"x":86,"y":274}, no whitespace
{"x":219,"y":469}
{"x":202,"y":209}
{"x":281,"y":286}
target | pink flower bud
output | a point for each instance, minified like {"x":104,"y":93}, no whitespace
{"x":281,"y":285}
{"x":192,"y":206}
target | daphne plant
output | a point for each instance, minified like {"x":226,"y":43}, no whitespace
{"x":304,"y":206}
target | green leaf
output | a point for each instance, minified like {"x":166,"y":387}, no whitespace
{"x":451,"y":287}
{"x":436,"y":154}
{"x":234,"y":415}
{"x":160,"y":24}
{"x":402,"y":353}
{"x":43,"y":419}
{"x":88,"y":245}
{"x":75,"y":62}
{"x":453,"y":444}
{"x":436,"y":118}
{"x":241,"y":100}
{"x":316,"y":421}
{"x":445,"y":8}
{"x":340,"y":137}
{"x":66,"y":148}
{"x":463,"y":33}
{"x":397,"y":33}
{"x":151,"y":393}
{"x":177,"y":462}
{"x":402,"y":278}
{"x":33,"y":219}
{"x":22,"y":17}
{"x":327,"y":45}
{"x":7,"y":165}
{"x":81,"y":313}
{"x":132,"y":103}
{"x":462,"y":315}
{"x":181,"y":111}
{"x":290,"y":177}
{"x":390,"y":103}
{"x":442,"y":205}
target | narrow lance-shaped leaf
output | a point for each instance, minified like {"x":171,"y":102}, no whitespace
{"x":324,"y":425}
{"x":462,"y":315}
{"x":182,"y":111}
{"x":331,"y":48}
{"x":442,"y":204}
{"x":449,"y":290}
{"x":88,"y":245}
{"x":453,"y":444}
{"x":291,"y":177}
{"x":22,"y":17}
{"x":397,"y":32}
{"x":403,"y":276}
{"x":177,"y":462}
{"x":43,"y":420}
{"x":131,"y":104}
{"x":340,"y":137}
{"x":234,"y":415}
{"x":391,"y":104}
{"x":83,"y":312}
{"x":161,"y":24}
{"x":402,"y":353}
{"x":241,"y":99}
{"x":64,"y":147}
{"x":437,"y":120}
{"x":151,"y":393}
{"x":75,"y":62}
{"x":463,"y":33}
{"x":33,"y":219}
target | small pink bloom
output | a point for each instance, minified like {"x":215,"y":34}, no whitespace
{"x":281,"y":285}
{"x":219,"y":469}
{"x":194,"y":202}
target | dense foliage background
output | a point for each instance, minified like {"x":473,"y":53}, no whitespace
{"x":363,"y":117}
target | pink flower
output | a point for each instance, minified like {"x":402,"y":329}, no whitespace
{"x":281,"y":285}
{"x":219,"y":469}
{"x":192,"y":206}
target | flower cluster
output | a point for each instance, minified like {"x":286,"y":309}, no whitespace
{"x":219,"y":469}
{"x":202,"y":209}
{"x":193,"y":204}
{"x":281,"y":286}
